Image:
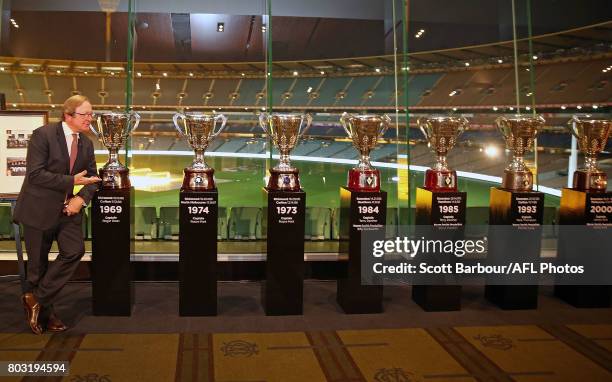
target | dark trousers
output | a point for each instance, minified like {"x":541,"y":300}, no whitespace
{"x":46,"y":279}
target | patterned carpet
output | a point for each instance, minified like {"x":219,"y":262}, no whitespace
{"x":495,"y":353}
{"x":481,"y":342}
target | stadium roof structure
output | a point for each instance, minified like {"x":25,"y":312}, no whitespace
{"x":341,"y":83}
{"x":593,"y":41}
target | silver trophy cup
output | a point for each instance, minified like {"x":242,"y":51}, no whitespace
{"x":200,"y":129}
{"x":113,"y":129}
{"x":284,"y":129}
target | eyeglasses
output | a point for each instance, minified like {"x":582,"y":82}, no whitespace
{"x":85,"y":115}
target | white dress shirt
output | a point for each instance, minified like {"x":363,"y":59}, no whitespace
{"x":68,"y":133}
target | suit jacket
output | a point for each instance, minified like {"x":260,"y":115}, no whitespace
{"x":48,"y":178}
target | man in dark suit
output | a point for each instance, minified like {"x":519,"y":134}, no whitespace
{"x":59,"y":158}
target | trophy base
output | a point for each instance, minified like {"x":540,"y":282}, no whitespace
{"x":284,"y":180}
{"x":114,"y":179}
{"x":518,"y":181}
{"x":364,"y":180}
{"x":590,"y":181}
{"x":441,"y":180}
{"x":198,"y":180}
{"x":352,"y":295}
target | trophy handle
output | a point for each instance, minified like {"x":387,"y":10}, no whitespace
{"x":304,"y":127}
{"x":263,"y":122}
{"x":422,"y":124}
{"x":464,"y":124}
{"x":175,"y":119}
{"x":134,"y":121}
{"x":386,"y":122}
{"x":502,"y":125}
{"x":344,"y":123}
{"x":93,"y":130}
{"x":223,"y":119}
{"x":572,"y":125}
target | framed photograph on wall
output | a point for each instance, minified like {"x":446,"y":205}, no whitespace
{"x":16,"y":128}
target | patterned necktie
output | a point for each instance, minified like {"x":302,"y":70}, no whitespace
{"x":74,"y":148}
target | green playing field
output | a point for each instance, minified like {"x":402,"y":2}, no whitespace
{"x":157,"y":179}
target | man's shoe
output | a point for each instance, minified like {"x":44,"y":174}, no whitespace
{"x":32,"y":309}
{"x":55,"y":324}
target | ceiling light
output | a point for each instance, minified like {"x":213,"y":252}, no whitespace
{"x":563,"y":107}
{"x":454,"y":109}
{"x":491,"y":151}
{"x":579,"y":107}
{"x":2,"y":68}
{"x":112,"y":73}
{"x":605,"y":70}
{"x":511,"y":108}
{"x":322,"y":72}
{"x":165,"y":74}
{"x":452,"y":93}
{"x":595,"y":107}
{"x":535,"y":57}
{"x":500,"y":61}
{"x":53,"y":106}
{"x":14,"y":105}
{"x":58,"y":71}
{"x":139,"y":74}
{"x":377,"y":70}
{"x":528,"y":108}
{"x":190,"y":74}
{"x":220,"y":27}
{"x":494,"y":108}
{"x":295,"y":73}
{"x":30,"y":70}
{"x":467,"y":64}
{"x":85,"y":73}
{"x":242,"y":74}
{"x":527,"y":69}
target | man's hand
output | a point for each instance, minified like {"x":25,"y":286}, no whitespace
{"x":81,"y":179}
{"x":74,"y":205}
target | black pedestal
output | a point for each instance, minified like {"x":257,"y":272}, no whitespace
{"x":198,"y":253}
{"x":111,"y":272}
{"x":518,"y":242}
{"x":283,"y":290}
{"x":585,"y":237}
{"x":439,"y":216}
{"x":359,"y":212}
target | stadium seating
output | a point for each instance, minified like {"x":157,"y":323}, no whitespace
{"x":476,"y":220}
{"x":245,"y":223}
{"x":169,"y":223}
{"x":145,"y":223}
{"x":393,"y":222}
{"x":6,"y":228}
{"x":318,"y":223}
{"x":335,"y":232}
{"x":550,"y":222}
{"x":222,"y":224}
